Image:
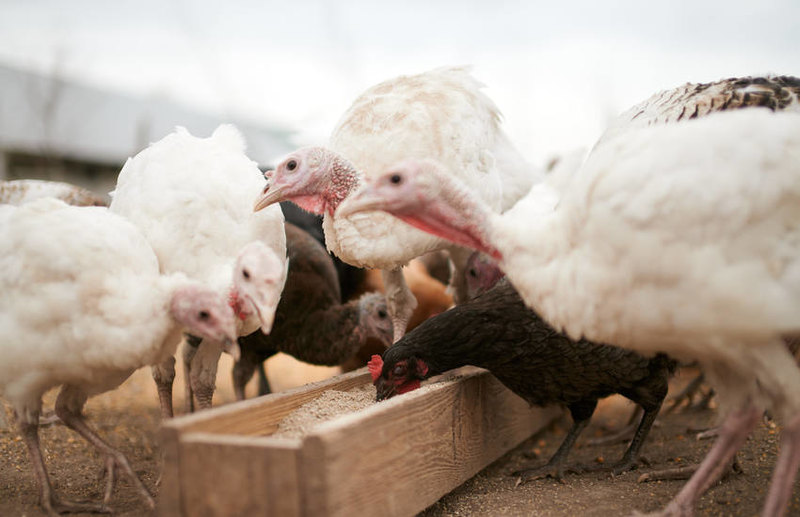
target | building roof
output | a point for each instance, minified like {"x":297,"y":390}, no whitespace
{"x":49,"y":115}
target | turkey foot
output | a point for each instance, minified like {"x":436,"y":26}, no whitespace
{"x":553,"y":469}
{"x":114,"y":458}
{"x":684,"y":472}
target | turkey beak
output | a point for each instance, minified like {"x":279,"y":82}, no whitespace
{"x":271,"y":194}
{"x":384,"y":390}
{"x":265,"y":305}
{"x":231,"y":346}
{"x":267,"y":318}
{"x":365,"y":200}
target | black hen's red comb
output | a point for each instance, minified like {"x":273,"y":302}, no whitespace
{"x":375,"y":367}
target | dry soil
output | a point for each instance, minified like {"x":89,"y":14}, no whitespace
{"x":129,"y":419}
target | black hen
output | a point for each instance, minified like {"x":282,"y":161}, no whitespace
{"x":498,"y":332}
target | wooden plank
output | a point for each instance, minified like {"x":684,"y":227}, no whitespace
{"x":168,"y":502}
{"x":400,"y":456}
{"x":260,"y":416}
{"x":238,"y":475}
{"x":229,"y":430}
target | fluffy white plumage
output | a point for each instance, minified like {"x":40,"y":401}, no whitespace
{"x":192,"y":199}
{"x":442,"y":115}
{"x":83,"y":305}
{"x":712,"y":203}
{"x":680,"y":238}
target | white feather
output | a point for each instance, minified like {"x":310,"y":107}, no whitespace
{"x":192,"y":198}
{"x":82,"y":300}
{"x":664,"y":234}
{"x":443,"y":115}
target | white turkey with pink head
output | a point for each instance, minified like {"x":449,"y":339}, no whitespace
{"x":192,"y":199}
{"x":82,"y":306}
{"x":441,"y":115}
{"x":681,"y":238}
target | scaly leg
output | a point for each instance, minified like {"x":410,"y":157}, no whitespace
{"x":188,"y":351}
{"x":631,"y":456}
{"x":555,"y":467}
{"x":50,"y":503}
{"x":203,"y":372}
{"x":780,"y":489}
{"x":732,"y":434}
{"x":399,"y":300}
{"x":243,"y":370}
{"x":263,"y":383}
{"x":621,"y":435}
{"x":164,"y":375}
{"x":68,"y":408}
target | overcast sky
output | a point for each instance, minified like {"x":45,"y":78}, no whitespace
{"x":557,"y":69}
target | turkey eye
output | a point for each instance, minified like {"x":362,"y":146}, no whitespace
{"x":396,"y":179}
{"x":382,"y":313}
{"x":204,"y":315}
{"x":246,"y":274}
{"x":399,"y":370}
{"x":472,"y":272}
{"x":291,"y":165}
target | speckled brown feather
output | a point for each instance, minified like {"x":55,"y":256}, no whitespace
{"x":19,"y":191}
{"x":693,"y":100}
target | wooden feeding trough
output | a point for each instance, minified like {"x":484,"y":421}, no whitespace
{"x":393,"y":458}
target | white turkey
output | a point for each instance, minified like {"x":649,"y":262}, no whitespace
{"x":192,"y":198}
{"x":681,"y":238}
{"x":18,"y":192}
{"x":83,"y":305}
{"x":441,"y":114}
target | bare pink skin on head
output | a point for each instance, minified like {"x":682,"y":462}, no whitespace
{"x":422,"y":195}
{"x":258,"y":279}
{"x":482,"y":274}
{"x":314,"y":178}
{"x":239,"y":305}
{"x":205,"y":314}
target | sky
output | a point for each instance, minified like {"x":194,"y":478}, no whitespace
{"x":559,"y":71}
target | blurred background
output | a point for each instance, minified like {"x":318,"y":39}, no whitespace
{"x":84,"y":84}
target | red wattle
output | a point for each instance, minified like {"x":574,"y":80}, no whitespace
{"x":409,"y":386}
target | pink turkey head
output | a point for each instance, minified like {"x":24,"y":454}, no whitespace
{"x":205,"y":314}
{"x":425,"y":195}
{"x":314,"y":178}
{"x":258,"y":279}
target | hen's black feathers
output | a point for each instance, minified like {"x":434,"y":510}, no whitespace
{"x":498,"y":332}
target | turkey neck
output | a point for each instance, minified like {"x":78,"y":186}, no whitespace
{"x":344,"y":179}
{"x":456,"y":214}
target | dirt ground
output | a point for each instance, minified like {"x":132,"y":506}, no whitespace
{"x":128,"y":418}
